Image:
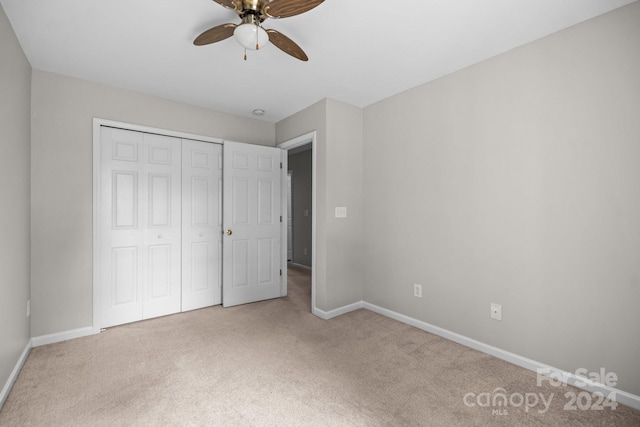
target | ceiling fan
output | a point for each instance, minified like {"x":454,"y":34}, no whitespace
{"x":249,"y":32}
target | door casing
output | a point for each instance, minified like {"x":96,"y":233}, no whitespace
{"x":309,"y":138}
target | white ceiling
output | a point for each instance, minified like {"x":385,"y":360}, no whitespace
{"x":360,"y":52}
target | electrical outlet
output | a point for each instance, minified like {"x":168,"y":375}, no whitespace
{"x":341,"y":212}
{"x":28,"y":307}
{"x":417,"y":290}
{"x":496,"y":311}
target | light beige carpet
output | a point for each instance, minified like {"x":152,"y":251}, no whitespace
{"x":275,"y":364}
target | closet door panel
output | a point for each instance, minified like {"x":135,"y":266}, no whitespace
{"x":162,"y":236}
{"x":201,"y":224}
{"x":139,"y":229}
{"x":121,"y":233}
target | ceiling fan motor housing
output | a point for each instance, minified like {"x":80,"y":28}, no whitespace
{"x":251,"y":7}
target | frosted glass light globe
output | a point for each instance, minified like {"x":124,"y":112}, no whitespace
{"x":248,"y":34}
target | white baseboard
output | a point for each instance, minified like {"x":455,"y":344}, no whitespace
{"x":326,"y":315}
{"x":622,"y":397}
{"x":14,"y":374}
{"x":460,"y":339}
{"x":62,"y":336}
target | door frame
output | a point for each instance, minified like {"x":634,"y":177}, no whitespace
{"x":97,"y":124}
{"x":308,"y":138}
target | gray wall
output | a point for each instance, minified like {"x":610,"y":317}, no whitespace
{"x":339,"y":140}
{"x":63,"y":109}
{"x":516,"y":181}
{"x":344,"y":188}
{"x":300,"y":165}
{"x":15,"y":87}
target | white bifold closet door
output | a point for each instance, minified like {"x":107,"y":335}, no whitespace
{"x":201,"y":224}
{"x":141,"y":226}
{"x":160,"y":222}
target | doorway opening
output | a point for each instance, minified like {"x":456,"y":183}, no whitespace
{"x":301,"y":231}
{"x":289,"y":216}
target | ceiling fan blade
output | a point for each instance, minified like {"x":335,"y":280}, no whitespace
{"x":215,"y":34}
{"x":286,"y":45}
{"x":287,"y":8}
{"x":226,"y":3}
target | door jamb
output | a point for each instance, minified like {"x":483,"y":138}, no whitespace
{"x":308,"y":138}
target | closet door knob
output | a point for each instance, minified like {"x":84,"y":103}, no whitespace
{"x":159,"y":236}
{"x":229,"y":232}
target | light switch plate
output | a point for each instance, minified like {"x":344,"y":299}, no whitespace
{"x":341,"y":212}
{"x":496,"y":311}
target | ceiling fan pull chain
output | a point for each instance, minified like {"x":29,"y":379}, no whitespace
{"x":257,"y":39}
{"x":245,"y":53}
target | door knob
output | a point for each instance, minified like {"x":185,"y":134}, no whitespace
{"x":159,"y":236}
{"x":229,"y":232}
{"x":201,"y":234}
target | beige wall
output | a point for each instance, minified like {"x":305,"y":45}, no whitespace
{"x":344,"y":176}
{"x":338,"y":183}
{"x":63,"y":109}
{"x":516,"y":181}
{"x":15,"y":87}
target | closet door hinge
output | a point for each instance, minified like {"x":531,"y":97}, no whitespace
{"x":280,"y":165}
{"x":280,"y":218}
{"x":281,"y":272}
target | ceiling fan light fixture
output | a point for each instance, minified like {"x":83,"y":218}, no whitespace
{"x":249,"y":32}
{"x":251,"y":36}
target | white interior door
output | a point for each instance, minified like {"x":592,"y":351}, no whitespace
{"x":139,"y":226}
{"x":252,"y":223}
{"x":201,"y":224}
